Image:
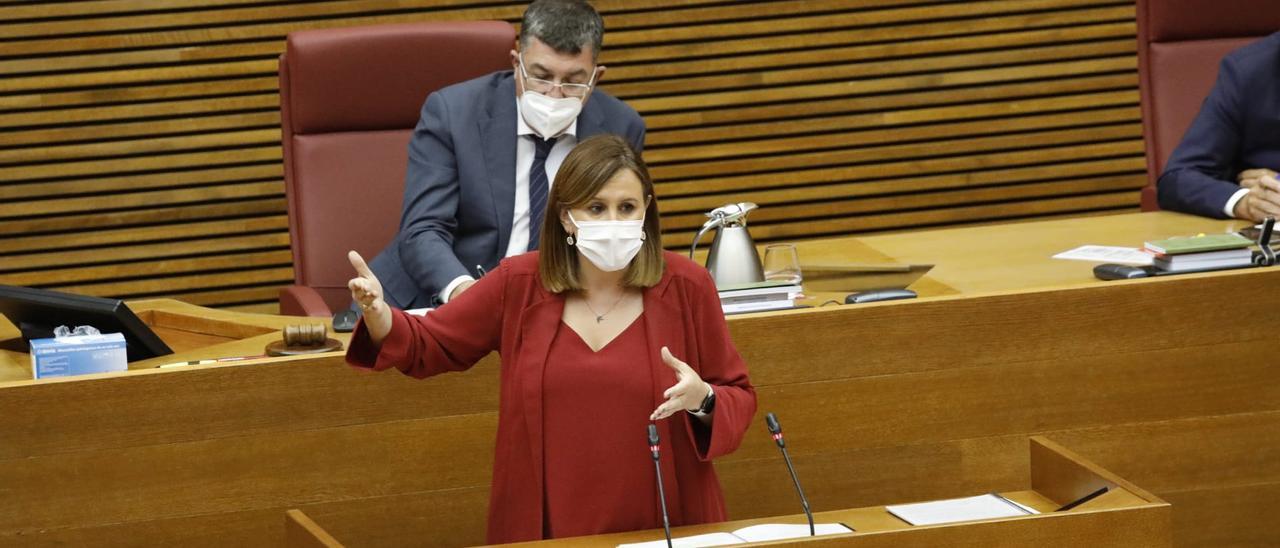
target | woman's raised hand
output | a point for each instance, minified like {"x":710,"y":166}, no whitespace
{"x":366,"y":291}
{"x":686,"y":394}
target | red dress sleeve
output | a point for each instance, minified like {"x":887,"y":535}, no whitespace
{"x":450,"y":338}
{"x":720,"y":365}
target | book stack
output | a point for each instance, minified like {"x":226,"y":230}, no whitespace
{"x":758,"y":297}
{"x":1196,"y":253}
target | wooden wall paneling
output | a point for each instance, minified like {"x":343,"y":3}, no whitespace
{"x":267,"y":120}
{"x":782,"y":113}
{"x":249,"y":225}
{"x":880,"y":475}
{"x":93,"y":166}
{"x":122,"y":117}
{"x":946,"y":172}
{"x":132,"y":217}
{"x":143,"y":251}
{"x":1244,"y":520}
{"x":758,"y":98}
{"x":328,"y":394}
{"x":140,"y":182}
{"x":164,"y":266}
{"x":395,"y":520}
{"x":151,"y":92}
{"x":97,"y":117}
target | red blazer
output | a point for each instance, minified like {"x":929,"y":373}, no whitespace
{"x":508,"y":310}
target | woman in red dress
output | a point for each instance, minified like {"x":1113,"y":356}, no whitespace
{"x":601,"y":333}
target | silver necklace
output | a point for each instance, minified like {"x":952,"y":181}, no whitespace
{"x":600,"y":316}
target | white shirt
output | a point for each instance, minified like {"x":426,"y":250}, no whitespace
{"x":1230,"y":208}
{"x":525,"y":135}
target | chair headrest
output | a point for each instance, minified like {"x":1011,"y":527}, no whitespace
{"x":377,"y":77}
{"x":1179,"y":20}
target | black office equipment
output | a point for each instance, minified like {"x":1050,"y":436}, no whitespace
{"x":1112,"y":271}
{"x":37,"y":312}
{"x":1265,"y":255}
{"x":775,"y":431}
{"x":345,"y":321}
{"x":877,"y":295}
{"x":654,"y":449}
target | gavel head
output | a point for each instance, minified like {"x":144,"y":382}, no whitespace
{"x":305,"y":335}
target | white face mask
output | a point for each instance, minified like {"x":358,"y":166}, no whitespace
{"x":548,"y":116}
{"x":610,"y":245}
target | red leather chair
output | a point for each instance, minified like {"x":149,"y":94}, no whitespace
{"x":1180,"y":43}
{"x":349,"y":100}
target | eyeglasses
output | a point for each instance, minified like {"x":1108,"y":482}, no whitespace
{"x":544,"y":87}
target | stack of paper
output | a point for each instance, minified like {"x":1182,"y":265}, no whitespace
{"x":755,"y":533}
{"x":1213,"y":260}
{"x":758,"y":297}
{"x":987,"y":506}
{"x":1190,"y":254}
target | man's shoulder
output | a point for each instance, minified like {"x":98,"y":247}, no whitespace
{"x":1260,"y":55}
{"x":476,"y":87}
{"x":615,"y":109}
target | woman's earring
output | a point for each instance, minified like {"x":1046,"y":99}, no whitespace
{"x":569,"y":239}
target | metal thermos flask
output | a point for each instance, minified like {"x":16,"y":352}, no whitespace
{"x":732,"y":258}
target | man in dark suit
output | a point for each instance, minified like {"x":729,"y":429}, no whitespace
{"x":485,"y":151}
{"x":1225,"y":165}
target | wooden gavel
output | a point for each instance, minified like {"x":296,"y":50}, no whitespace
{"x":305,"y":335}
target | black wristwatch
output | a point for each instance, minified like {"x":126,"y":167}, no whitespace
{"x":708,"y":403}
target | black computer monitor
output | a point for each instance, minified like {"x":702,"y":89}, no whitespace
{"x":37,"y":312}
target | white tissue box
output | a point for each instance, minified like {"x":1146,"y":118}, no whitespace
{"x":78,"y":355}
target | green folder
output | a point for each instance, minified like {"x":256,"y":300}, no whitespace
{"x":1199,"y":244}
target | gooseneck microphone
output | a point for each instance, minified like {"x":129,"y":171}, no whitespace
{"x":657,"y":468}
{"x":774,"y":428}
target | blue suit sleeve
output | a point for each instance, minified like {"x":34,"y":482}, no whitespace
{"x":635,"y":132}
{"x":1200,"y":176}
{"x":431,"y":194}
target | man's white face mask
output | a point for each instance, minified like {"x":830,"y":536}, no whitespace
{"x":610,"y":245}
{"x":549,"y":116}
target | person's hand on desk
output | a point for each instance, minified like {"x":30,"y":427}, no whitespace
{"x":367,"y":292}
{"x":1253,"y":175}
{"x":686,"y":395}
{"x":1263,"y":199}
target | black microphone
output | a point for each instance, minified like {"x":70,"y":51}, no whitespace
{"x":657,"y":468}
{"x":776,"y":429}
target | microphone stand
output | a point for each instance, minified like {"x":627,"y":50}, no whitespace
{"x":662,"y":496}
{"x":776,"y":429}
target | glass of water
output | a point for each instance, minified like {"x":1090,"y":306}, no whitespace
{"x":782,"y":263}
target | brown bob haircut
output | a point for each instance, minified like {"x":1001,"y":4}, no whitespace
{"x":584,"y":172}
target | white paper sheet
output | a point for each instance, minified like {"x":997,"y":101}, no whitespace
{"x":754,"y":533}
{"x":779,"y":531}
{"x":963,"y":509}
{"x":1107,"y":254}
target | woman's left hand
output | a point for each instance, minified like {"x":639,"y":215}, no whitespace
{"x":688,"y":392}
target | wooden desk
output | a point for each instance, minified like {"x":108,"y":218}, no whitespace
{"x":1007,"y":257}
{"x":1169,"y":382}
{"x":192,"y":332}
{"x":1126,"y":516}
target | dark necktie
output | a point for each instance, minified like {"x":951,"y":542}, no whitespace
{"x":538,"y":188}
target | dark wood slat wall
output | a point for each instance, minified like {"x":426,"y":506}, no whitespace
{"x":139,"y":140}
